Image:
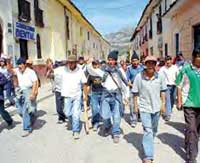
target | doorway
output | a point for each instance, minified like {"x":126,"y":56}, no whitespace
{"x":197,"y":36}
{"x":23,"y":48}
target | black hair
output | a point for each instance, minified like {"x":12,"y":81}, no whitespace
{"x":168,"y":58}
{"x":196,"y":53}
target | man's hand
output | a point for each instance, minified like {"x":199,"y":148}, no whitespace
{"x":163,"y":109}
{"x":32,"y":97}
{"x":136,"y":110}
{"x":179,"y":105}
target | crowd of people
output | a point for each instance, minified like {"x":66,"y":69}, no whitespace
{"x":150,"y":88}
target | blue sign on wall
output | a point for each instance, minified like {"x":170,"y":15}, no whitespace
{"x":23,"y":31}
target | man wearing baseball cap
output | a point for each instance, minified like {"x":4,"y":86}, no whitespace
{"x":27,"y":93}
{"x":149,"y":87}
{"x":72,"y":79}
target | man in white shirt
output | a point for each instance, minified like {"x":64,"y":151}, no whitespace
{"x":26,"y":90}
{"x":170,"y":72}
{"x":72,"y":79}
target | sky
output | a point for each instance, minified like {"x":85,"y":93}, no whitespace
{"x":109,"y":16}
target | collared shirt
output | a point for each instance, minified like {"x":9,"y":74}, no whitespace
{"x":149,"y":91}
{"x":58,"y":78}
{"x":188,"y":80}
{"x":170,"y":74}
{"x":72,"y":81}
{"x":26,"y":78}
{"x":133,"y":71}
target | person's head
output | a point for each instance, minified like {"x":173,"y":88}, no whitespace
{"x":2,"y":62}
{"x":49,"y":61}
{"x":21,"y":62}
{"x":95,"y":64}
{"x":150,"y":64}
{"x":179,"y":56}
{"x":196,"y":57}
{"x":135,"y":59}
{"x":168,"y":61}
{"x":72,"y":62}
{"x":29,"y":63}
{"x":81,"y":60}
{"x":112,"y":58}
{"x":123,"y":65}
{"x":161,"y":62}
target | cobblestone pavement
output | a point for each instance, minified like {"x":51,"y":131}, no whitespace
{"x":53,"y":143}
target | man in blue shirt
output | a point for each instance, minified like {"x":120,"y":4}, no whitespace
{"x":132,"y":71}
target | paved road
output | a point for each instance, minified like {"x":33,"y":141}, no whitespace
{"x":53,"y":143}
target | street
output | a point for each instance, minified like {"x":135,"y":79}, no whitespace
{"x":51,"y":142}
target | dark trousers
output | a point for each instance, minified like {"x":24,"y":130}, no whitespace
{"x":60,"y":106}
{"x":5,"y":115}
{"x":192,"y":133}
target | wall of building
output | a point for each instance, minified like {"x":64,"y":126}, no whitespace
{"x":182,"y":22}
{"x":6,"y":24}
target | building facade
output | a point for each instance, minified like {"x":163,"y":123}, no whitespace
{"x":167,"y":27}
{"x":6,"y":28}
{"x":41,"y":29}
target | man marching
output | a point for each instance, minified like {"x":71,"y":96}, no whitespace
{"x":114,"y":83}
{"x":72,"y":79}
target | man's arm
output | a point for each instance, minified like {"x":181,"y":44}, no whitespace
{"x":34,"y":90}
{"x":179,"y":98}
{"x":163,"y":108}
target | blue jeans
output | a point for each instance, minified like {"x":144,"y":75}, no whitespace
{"x":111,"y":108}
{"x":72,"y":110}
{"x":26,"y":108}
{"x":10,"y":92}
{"x":170,"y":99}
{"x":95,"y":98}
{"x":150,"y":127}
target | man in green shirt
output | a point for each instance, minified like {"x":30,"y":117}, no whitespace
{"x":188,"y":83}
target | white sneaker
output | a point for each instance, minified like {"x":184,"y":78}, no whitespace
{"x":76,"y":135}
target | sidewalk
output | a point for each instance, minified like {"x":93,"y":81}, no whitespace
{"x":43,"y":94}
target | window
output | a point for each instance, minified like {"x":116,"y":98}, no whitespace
{"x":1,"y":39}
{"x":159,"y":21}
{"x":88,"y":35}
{"x":166,"y":49}
{"x":165,"y":5}
{"x":67,"y":27}
{"x":24,"y":10}
{"x":23,"y":48}
{"x":39,"y":53}
{"x":38,"y":14}
{"x":81,"y":31}
{"x":151,"y":29}
{"x":197,"y":36}
{"x":177,"y":42}
{"x":151,"y":50}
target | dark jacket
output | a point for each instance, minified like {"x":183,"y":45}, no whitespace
{"x":3,"y":81}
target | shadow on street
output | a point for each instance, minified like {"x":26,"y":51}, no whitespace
{"x":4,"y":125}
{"x":178,"y":126}
{"x":173,"y":141}
{"x":39,"y":123}
{"x":136,"y":140}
